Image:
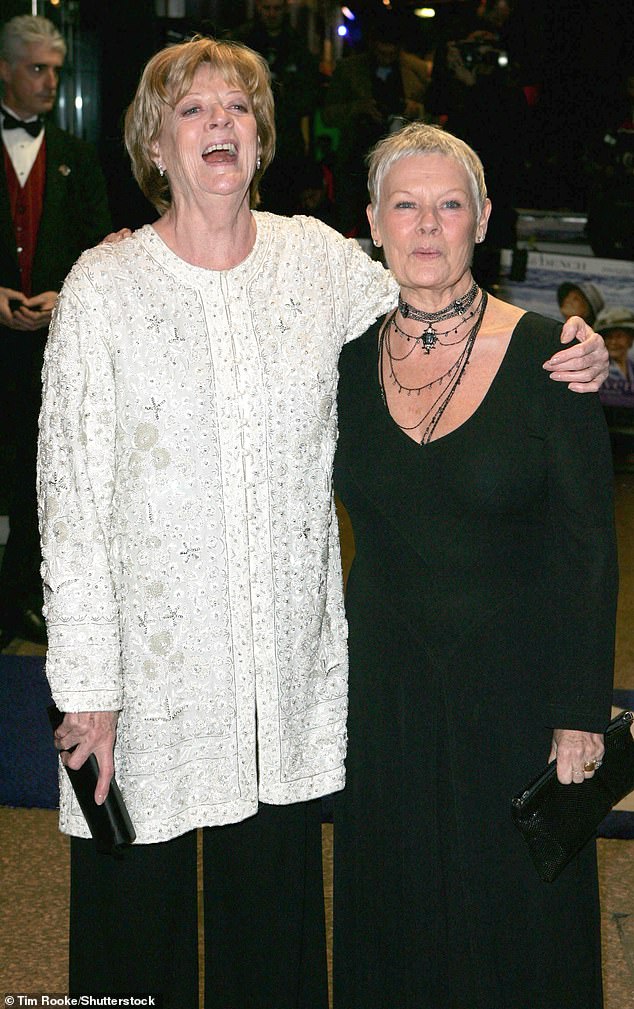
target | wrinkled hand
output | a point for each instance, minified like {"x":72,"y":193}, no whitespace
{"x":90,"y":732}
{"x":7,"y":317}
{"x":572,"y":749}
{"x":584,"y":365}
{"x":35,"y":312}
{"x":116,"y":236}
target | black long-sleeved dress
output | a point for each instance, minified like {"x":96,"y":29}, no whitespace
{"x":481,"y":606}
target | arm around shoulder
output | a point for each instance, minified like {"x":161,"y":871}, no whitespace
{"x":583,"y":559}
{"x":372,"y":289}
{"x":583,"y":365}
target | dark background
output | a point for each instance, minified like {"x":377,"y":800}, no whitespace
{"x":577,"y":50}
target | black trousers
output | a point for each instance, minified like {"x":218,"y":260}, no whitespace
{"x":134,"y":928}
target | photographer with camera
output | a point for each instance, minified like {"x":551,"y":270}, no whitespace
{"x":486,"y":26}
{"x":371,"y":94}
{"x":475,"y":94}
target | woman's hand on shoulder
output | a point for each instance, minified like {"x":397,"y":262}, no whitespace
{"x":584,"y":365}
{"x":575,"y":752}
{"x":89,"y":732}
{"x":116,"y":236}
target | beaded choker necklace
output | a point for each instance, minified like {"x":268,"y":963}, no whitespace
{"x":429,"y":337}
{"x":447,"y":383}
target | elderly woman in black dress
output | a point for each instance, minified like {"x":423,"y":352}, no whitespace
{"x":481,"y":607}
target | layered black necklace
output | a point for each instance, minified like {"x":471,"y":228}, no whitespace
{"x":447,"y":383}
{"x":430,"y":336}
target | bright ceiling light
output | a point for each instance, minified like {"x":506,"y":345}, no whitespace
{"x":425,"y":12}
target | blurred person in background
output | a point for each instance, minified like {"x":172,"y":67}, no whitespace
{"x":583,"y":299}
{"x":485,"y":22}
{"x":296,"y":88}
{"x":476,"y":94}
{"x":616,"y":326}
{"x":370,"y":94}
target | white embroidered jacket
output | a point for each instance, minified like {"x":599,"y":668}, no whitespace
{"x":190,"y":543}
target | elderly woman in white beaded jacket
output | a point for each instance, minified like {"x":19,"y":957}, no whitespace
{"x":191,"y":562}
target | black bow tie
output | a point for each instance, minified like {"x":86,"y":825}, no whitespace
{"x":11,"y":123}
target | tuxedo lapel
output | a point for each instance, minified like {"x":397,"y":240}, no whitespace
{"x":55,"y":186}
{"x":7,"y":237}
{"x":52,"y":244}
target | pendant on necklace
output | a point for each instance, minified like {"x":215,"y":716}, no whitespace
{"x":429,"y":338}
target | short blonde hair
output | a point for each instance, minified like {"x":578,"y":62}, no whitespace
{"x":419,"y":138}
{"x":166,"y":78}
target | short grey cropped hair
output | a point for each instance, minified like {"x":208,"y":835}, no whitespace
{"x":419,"y":138}
{"x":26,"y":30}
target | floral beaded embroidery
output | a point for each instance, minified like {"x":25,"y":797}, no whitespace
{"x":191,"y":557}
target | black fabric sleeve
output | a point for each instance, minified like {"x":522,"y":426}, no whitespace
{"x":583,"y":559}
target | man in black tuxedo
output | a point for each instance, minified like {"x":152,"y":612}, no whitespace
{"x":53,"y":205}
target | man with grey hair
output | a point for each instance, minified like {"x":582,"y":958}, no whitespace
{"x":53,"y":205}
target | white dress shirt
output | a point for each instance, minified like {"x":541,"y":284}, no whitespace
{"x":22,"y":148}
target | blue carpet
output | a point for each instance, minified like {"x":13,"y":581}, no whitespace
{"x":28,"y":759}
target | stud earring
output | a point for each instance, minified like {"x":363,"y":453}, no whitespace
{"x":378,"y":244}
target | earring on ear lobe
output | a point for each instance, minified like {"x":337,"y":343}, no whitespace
{"x":258,"y":163}
{"x":161,"y":169}
{"x":378,"y":244}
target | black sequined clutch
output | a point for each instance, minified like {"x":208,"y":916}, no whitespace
{"x":110,"y":823}
{"x":557,"y":820}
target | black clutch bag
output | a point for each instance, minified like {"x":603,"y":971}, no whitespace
{"x":110,"y":823}
{"x":557,"y":820}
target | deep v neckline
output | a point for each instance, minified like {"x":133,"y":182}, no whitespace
{"x":473,"y":417}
